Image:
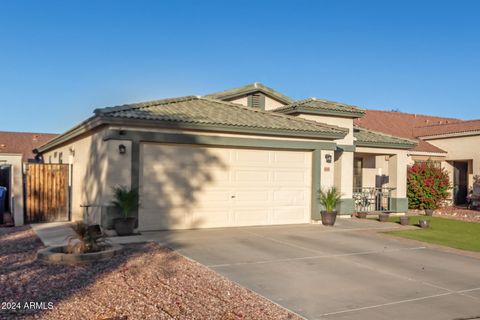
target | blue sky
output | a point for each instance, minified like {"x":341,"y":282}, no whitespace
{"x":61,"y":59}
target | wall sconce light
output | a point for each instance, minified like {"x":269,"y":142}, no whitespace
{"x":328,"y":158}
{"x":122,"y":149}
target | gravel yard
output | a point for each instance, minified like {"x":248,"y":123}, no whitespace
{"x":145,"y":282}
{"x":457,"y":213}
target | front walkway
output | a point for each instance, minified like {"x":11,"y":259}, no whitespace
{"x":54,"y":233}
{"x":344,"y":272}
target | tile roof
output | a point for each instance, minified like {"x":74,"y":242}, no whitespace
{"x":247,"y":89}
{"x":447,"y":128}
{"x":402,"y":124}
{"x":192,"y":110}
{"x":366,"y":137}
{"x":23,"y":142}
{"x":321,"y":106}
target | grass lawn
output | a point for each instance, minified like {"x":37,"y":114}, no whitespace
{"x":452,"y":233}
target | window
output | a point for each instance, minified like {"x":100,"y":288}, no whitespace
{"x":357,"y":173}
{"x":60,"y":157}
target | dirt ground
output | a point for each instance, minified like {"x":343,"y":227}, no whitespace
{"x":145,"y":282}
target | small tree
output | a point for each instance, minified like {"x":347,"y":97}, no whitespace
{"x":427,"y":185}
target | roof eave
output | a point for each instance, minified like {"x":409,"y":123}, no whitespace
{"x":227,"y":128}
{"x":299,"y":110}
{"x":450,"y":135}
{"x":390,"y":145}
{"x":79,"y":129}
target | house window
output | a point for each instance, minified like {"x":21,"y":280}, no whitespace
{"x":357,"y":173}
{"x":60,"y":157}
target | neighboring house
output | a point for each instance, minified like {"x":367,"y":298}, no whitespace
{"x":246,"y":156}
{"x":16,"y":148}
{"x":451,"y":142}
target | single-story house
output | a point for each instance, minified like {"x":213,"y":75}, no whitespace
{"x":453,"y":143}
{"x":240,"y":157}
{"x":15,"y":149}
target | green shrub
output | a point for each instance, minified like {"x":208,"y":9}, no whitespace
{"x":427,"y":185}
{"x":329,"y":199}
{"x":125,"y":199}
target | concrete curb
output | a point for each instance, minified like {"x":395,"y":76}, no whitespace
{"x":56,"y":254}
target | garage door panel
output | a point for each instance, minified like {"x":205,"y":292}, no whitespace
{"x":247,"y":196}
{"x":185,"y":187}
{"x":251,"y":177}
{"x":289,"y":214}
{"x":243,"y":157}
{"x":289,"y":158}
{"x":293,"y":177}
{"x":252,"y":216}
{"x":290,"y":197}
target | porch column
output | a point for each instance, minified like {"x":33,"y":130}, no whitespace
{"x":397,"y":172}
{"x":448,"y":166}
{"x":475,"y":171}
{"x":344,"y":180}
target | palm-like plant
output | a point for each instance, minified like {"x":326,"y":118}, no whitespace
{"x":329,"y":199}
{"x":125,"y":199}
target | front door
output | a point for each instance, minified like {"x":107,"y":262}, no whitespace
{"x":460,"y":182}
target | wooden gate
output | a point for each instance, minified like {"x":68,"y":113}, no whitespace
{"x":46,"y":192}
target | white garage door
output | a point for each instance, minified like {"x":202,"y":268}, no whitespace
{"x":184,"y":187}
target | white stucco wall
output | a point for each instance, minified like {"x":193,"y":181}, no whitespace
{"x":271,"y":103}
{"x":16,"y":194}
{"x":243,"y":101}
{"x":336,"y":121}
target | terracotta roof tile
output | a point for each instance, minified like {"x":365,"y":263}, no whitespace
{"x":403,"y":125}
{"x":457,"y":127}
{"x":23,"y":142}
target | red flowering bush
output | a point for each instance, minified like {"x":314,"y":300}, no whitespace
{"x":427,"y":185}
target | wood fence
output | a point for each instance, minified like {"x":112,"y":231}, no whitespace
{"x":46,"y":192}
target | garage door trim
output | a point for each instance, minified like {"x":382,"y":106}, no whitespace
{"x":138,"y":137}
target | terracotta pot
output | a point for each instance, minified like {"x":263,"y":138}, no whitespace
{"x":124,"y":226}
{"x":429,"y":212}
{"x":383,"y":217}
{"x":424,"y":223}
{"x":328,"y":218}
{"x":404,"y":220}
{"x":362,"y":215}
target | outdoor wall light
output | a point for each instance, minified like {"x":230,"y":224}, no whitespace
{"x":122,"y":149}
{"x":328,"y":158}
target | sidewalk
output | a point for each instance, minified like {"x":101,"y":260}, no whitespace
{"x":54,"y":233}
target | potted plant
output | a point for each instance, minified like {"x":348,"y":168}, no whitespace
{"x":126,"y":200}
{"x":404,"y":220}
{"x":429,"y":207}
{"x":329,"y":199}
{"x":383,"y":217}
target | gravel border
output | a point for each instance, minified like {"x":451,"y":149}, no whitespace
{"x":457,"y":213}
{"x":145,"y":281}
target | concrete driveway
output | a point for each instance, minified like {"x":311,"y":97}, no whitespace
{"x":345,"y":272}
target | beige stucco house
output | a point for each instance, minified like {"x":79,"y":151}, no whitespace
{"x":452,"y":143}
{"x":246,"y":156}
